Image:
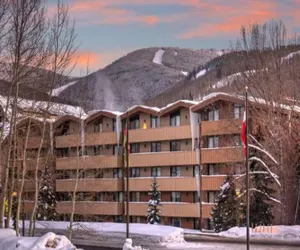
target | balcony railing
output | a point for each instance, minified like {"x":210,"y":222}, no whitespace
{"x":165,"y":158}
{"x":86,"y":207}
{"x":221,"y":127}
{"x":89,"y":162}
{"x":222,"y":155}
{"x":187,"y":210}
{"x":160,"y":134}
{"x":180,"y":184}
{"x":101,"y":138}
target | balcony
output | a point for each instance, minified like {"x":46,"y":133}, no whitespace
{"x":86,"y":162}
{"x":68,"y":141}
{"x":34,"y":142}
{"x":94,"y":207}
{"x":165,"y":158}
{"x":31,"y":163}
{"x":172,"y":209}
{"x":29,"y":185}
{"x":90,"y":185}
{"x":180,"y":184}
{"x":160,"y":134}
{"x":221,"y":127}
{"x":190,"y":210}
{"x":101,"y":138}
{"x":222,"y":155}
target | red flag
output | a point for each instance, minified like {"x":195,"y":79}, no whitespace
{"x":244,"y":134}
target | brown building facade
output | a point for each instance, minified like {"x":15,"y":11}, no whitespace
{"x":164,"y":143}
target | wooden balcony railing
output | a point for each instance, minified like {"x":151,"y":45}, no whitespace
{"x":160,"y":134}
{"x":221,"y":127}
{"x":89,"y":162}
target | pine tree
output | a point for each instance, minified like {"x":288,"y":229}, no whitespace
{"x":260,"y":204}
{"x":153,"y":204}
{"x":47,"y":198}
{"x":227,"y":210}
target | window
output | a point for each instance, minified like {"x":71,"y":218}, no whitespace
{"x":175,"y":119}
{"x":114,"y":125}
{"x":118,"y":196}
{"x":135,"y":196}
{"x":155,"y":172}
{"x":155,"y":146}
{"x":175,"y":196}
{"x":175,"y":222}
{"x":99,"y":173}
{"x":213,"y":142}
{"x":117,"y":173}
{"x":115,"y":149}
{"x":65,"y":127}
{"x":175,"y":171}
{"x":211,"y":196}
{"x":118,"y":218}
{"x":237,"y":111}
{"x":98,"y":126}
{"x":135,"y":172}
{"x":96,"y":149}
{"x":213,"y":115}
{"x":212,"y":169}
{"x":155,"y":121}
{"x":134,"y":148}
{"x":196,"y":171}
{"x":63,"y":152}
{"x":175,"y":145}
{"x":135,"y":122}
{"x":237,"y":140}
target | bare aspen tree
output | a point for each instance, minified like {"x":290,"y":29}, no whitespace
{"x":267,"y":65}
{"x":60,"y":48}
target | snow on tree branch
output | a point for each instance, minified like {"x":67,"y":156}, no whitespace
{"x":275,"y":177}
{"x":264,"y":151}
{"x":256,"y":190}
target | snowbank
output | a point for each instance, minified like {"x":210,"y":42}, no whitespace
{"x":158,"y":56}
{"x":271,"y":232}
{"x":113,"y":234}
{"x":9,"y":241}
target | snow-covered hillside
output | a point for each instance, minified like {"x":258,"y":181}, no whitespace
{"x":134,"y":78}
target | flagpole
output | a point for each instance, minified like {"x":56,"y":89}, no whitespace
{"x":127,"y":177}
{"x":247,"y":174}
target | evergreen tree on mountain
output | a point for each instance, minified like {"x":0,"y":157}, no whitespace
{"x":153,"y":216}
{"x":227,"y":210}
{"x":47,"y":198}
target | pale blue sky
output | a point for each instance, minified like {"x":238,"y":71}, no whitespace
{"x":108,"y":29}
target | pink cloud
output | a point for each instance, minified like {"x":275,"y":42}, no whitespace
{"x":91,"y":61}
{"x":103,"y":12}
{"x":231,"y":21}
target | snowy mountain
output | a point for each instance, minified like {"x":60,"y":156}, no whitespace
{"x":135,"y":78}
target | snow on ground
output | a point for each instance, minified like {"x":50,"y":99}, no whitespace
{"x":57,"y":91}
{"x":9,"y":241}
{"x":290,"y":55}
{"x":201,"y":73}
{"x":185,"y":73}
{"x":113,"y":234}
{"x":271,"y":232}
{"x":158,"y":56}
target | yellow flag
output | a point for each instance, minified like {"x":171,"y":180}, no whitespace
{"x":145,"y":125}
{"x":6,"y":206}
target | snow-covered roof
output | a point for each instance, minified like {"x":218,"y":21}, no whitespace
{"x":41,"y":107}
{"x":177,"y":104}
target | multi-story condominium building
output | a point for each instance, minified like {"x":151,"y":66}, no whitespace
{"x":170,"y":143}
